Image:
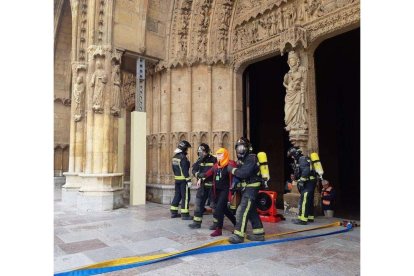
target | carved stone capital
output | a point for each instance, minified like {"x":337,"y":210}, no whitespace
{"x":99,"y":50}
{"x":117,"y":55}
{"x":78,"y":66}
{"x":299,"y":137}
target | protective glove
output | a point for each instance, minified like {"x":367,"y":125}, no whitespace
{"x":189,"y":184}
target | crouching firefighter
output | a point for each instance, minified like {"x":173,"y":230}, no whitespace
{"x":250,"y":182}
{"x":306,"y":179}
{"x":204,"y":162}
{"x":180,"y":167}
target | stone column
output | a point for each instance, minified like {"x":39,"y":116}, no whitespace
{"x":210,"y":104}
{"x":302,"y":134}
{"x":170,"y":175}
{"x":93,"y":161}
{"x":78,"y":106}
{"x":102,"y":183}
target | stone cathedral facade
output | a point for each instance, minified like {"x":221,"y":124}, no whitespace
{"x":196,"y":52}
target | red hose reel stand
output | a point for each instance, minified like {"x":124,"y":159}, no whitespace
{"x":266,"y":206}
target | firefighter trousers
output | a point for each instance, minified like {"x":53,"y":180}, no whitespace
{"x":247,"y":211}
{"x":182,"y":193}
{"x":306,"y":201}
{"x":202,"y":195}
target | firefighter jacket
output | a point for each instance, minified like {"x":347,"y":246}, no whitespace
{"x":180,"y":167}
{"x":202,"y":166}
{"x":248,"y":172}
{"x":305,"y":171}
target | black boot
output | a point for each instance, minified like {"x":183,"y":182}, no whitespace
{"x":236,"y":239}
{"x":254,"y":237}
{"x":298,"y":221}
{"x":175,"y":215}
{"x":213,"y":227}
{"x":194,"y":225}
{"x":186,"y":217}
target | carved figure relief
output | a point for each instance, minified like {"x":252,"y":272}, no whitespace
{"x":116,"y":91}
{"x":314,"y":8}
{"x":128,"y":89}
{"x":342,"y":3}
{"x":200,"y":23}
{"x":185,"y":13}
{"x":266,"y":23}
{"x":78,"y":96}
{"x":98,"y":82}
{"x":82,"y":35}
{"x":101,"y":21}
{"x":289,"y":16}
{"x":279,"y":20}
{"x":222,"y":35}
{"x":221,"y":24}
{"x":294,"y":82}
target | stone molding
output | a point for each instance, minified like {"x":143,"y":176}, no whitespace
{"x":265,"y":25}
{"x":298,"y":35}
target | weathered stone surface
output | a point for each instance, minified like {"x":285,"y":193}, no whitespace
{"x":196,"y":52}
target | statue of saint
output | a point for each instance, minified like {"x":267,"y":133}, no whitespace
{"x":78,"y":91}
{"x":294,"y":81}
{"x":116,"y":91}
{"x":98,"y":81}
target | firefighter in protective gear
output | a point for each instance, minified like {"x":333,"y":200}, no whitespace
{"x":180,"y":167}
{"x":204,"y":162}
{"x":250,"y":181}
{"x":306,"y":183}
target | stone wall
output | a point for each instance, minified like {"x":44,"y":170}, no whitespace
{"x":62,"y":86}
{"x":128,"y":25}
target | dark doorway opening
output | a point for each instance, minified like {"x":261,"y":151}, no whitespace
{"x":337,"y":69}
{"x":263,"y":122}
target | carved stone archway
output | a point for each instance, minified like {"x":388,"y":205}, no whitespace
{"x":257,"y":34}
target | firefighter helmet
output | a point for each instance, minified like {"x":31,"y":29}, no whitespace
{"x":184,"y":145}
{"x":203,"y":148}
{"x":242,"y":147}
{"x":294,"y":152}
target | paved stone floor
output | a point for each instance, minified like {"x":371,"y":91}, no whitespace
{"x":87,"y":238}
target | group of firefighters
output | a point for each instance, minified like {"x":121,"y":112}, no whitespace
{"x":221,"y":178}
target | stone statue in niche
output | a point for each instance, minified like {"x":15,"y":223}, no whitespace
{"x":116,"y":91}
{"x":294,"y":81}
{"x":98,"y":81}
{"x":78,"y":91}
